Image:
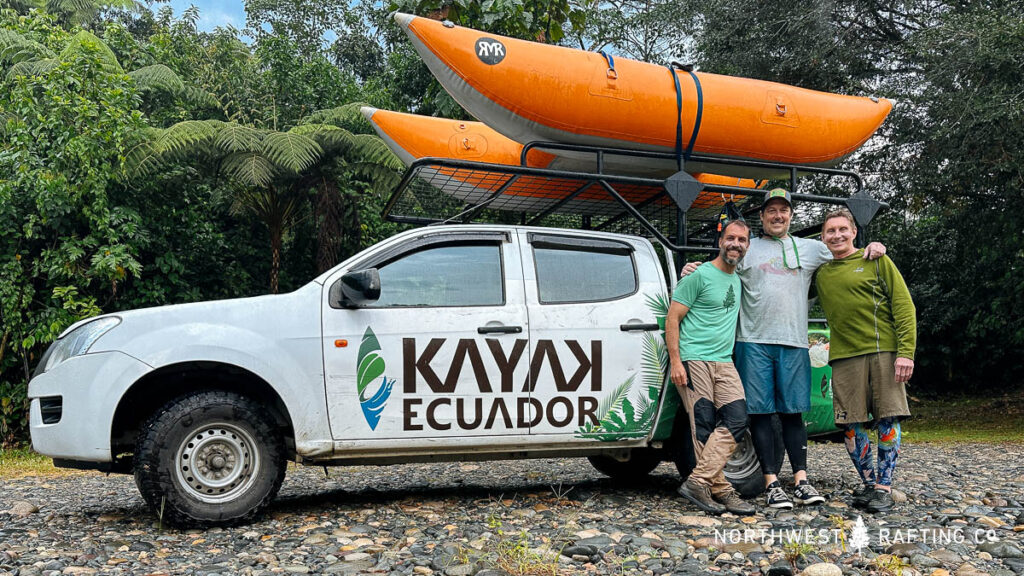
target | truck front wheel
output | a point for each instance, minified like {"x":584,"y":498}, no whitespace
{"x":209,"y":458}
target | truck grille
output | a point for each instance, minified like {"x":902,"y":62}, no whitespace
{"x":51,"y":408}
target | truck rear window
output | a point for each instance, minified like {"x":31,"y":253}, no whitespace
{"x":582,"y":275}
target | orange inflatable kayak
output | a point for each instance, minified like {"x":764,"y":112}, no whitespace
{"x":538,"y":92}
{"x":412,"y":137}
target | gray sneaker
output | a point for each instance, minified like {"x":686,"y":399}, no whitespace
{"x":700,"y":496}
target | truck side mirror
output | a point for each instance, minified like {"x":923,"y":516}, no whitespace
{"x":356,"y":288}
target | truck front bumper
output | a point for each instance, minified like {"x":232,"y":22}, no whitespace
{"x":73,"y":404}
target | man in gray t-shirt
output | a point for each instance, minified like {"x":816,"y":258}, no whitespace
{"x":771,"y":342}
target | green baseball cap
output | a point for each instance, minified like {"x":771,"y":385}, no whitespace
{"x":777,"y":193}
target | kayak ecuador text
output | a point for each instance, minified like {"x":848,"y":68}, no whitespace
{"x":482,"y":406}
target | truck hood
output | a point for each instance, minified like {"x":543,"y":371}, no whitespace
{"x":149,"y":334}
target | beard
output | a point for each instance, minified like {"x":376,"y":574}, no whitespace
{"x":723,"y":252}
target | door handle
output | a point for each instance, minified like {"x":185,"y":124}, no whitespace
{"x":639,"y":327}
{"x":499,"y":330}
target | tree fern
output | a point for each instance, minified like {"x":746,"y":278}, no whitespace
{"x":31,"y":68}
{"x":157,"y":77}
{"x":331,"y":138}
{"x":231,"y":138}
{"x":345,"y":116}
{"x":249,"y":168}
{"x":188,"y":136}
{"x":294,"y":152}
{"x":16,"y":48}
{"x":87,"y":41}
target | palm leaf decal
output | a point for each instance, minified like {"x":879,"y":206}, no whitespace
{"x":619,"y":415}
{"x":370,"y":367}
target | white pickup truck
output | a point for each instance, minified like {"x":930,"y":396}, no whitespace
{"x":463,"y":342}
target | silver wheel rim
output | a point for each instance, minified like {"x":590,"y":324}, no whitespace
{"x":217,"y":462}
{"x":743,"y":461}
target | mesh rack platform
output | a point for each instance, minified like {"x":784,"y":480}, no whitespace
{"x":679,"y":211}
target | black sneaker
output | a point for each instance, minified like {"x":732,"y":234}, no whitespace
{"x":881,"y":501}
{"x":733,"y":503}
{"x":862,"y":495}
{"x":777,"y":497}
{"x":700,"y":496}
{"x":806,"y":495}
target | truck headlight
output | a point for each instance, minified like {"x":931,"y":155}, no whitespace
{"x":76,"y":342}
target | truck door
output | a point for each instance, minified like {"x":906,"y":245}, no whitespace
{"x":596,"y":368}
{"x":436,"y":354}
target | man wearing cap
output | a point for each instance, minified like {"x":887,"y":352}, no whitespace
{"x":771,"y":342}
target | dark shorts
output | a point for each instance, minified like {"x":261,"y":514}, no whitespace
{"x":776,"y":378}
{"x":864,"y":389}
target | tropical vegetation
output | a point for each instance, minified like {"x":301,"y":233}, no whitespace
{"x":145,"y":162}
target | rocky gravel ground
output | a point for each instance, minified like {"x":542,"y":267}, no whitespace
{"x":963,"y":514}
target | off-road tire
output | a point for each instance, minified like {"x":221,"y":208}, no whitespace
{"x":743,"y":470}
{"x":642,"y":461}
{"x":239,"y":455}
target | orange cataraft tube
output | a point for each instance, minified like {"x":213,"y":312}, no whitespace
{"x":411,"y":137}
{"x":530,"y":91}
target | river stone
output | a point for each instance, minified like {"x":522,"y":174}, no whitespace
{"x":922,"y":561}
{"x":579,"y":550}
{"x":346,"y":568}
{"x":822,"y":569}
{"x":598,"y":542}
{"x":947,"y":557}
{"x":905,"y":549}
{"x":1002,"y":549}
{"x":968,"y":569}
{"x":23,"y":508}
{"x":742,"y":547}
{"x":460,"y":570}
{"x":1015,"y":564}
{"x":780,"y":568}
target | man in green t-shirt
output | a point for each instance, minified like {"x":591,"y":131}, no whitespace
{"x":702,"y":319}
{"x":874,"y":333}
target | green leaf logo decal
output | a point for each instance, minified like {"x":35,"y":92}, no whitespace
{"x":370,"y":369}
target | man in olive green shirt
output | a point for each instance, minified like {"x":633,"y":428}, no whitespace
{"x":873,"y":335}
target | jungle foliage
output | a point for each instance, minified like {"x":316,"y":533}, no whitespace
{"x":144,"y":162}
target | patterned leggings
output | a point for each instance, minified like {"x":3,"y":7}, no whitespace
{"x":859,"y":447}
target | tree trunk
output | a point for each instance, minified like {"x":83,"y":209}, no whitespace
{"x":275,"y":259}
{"x":328,"y":224}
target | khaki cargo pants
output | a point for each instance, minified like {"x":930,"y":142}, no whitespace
{"x":718,"y":418}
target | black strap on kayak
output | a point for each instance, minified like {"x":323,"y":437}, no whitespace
{"x":682,"y":155}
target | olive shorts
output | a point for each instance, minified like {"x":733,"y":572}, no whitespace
{"x":864,"y":389}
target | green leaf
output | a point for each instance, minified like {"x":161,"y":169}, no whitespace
{"x":157,"y":77}
{"x":232,"y":137}
{"x":291,"y":151}
{"x":249,"y":168}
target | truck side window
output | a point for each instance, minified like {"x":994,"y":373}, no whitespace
{"x":446,"y":275}
{"x":580,"y":275}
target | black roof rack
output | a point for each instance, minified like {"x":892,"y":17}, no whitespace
{"x":679,"y":211}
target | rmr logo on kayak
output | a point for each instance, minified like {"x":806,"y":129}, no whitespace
{"x":490,"y":51}
{"x":483,"y":407}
